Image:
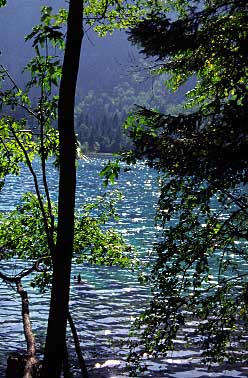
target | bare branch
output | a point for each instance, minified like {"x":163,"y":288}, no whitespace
{"x":16,"y":278}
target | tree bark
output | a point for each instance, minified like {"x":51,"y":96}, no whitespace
{"x":31,"y":362}
{"x":62,"y":254}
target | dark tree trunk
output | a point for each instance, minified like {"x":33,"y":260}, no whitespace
{"x":81,"y":361}
{"x":56,"y":332}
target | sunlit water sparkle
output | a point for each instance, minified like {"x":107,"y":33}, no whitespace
{"x":109,"y":298}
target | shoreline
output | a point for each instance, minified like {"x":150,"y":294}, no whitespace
{"x":101,"y":154}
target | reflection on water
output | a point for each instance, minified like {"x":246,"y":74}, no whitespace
{"x":107,"y":299}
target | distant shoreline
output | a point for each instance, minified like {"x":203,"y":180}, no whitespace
{"x":100,"y":154}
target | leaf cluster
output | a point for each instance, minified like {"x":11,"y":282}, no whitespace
{"x":105,"y":16}
{"x":95,"y":241}
{"x":23,"y":236}
{"x":13,"y":137}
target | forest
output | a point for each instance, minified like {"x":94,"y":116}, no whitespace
{"x":179,"y":116}
{"x":99,"y":116}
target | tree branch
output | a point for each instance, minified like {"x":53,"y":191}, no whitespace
{"x":37,"y":190}
{"x":77,"y":347}
{"x":23,"y":273}
{"x":30,"y":111}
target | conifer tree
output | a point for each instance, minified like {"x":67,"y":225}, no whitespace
{"x":200,"y":272}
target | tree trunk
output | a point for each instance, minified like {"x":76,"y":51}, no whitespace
{"x":23,"y":365}
{"x":56,"y":332}
{"x":81,"y":361}
{"x":31,"y":362}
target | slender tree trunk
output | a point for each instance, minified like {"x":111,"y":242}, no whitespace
{"x":56,"y":332}
{"x":32,"y":362}
{"x":77,"y":347}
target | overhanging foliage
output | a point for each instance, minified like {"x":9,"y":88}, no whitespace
{"x":201,"y":268}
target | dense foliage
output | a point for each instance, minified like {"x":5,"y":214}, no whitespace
{"x":200,"y":272}
{"x":23,"y":236}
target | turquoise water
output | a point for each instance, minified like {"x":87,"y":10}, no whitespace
{"x":109,"y":298}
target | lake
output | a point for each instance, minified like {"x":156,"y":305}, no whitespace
{"x":109,"y":298}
